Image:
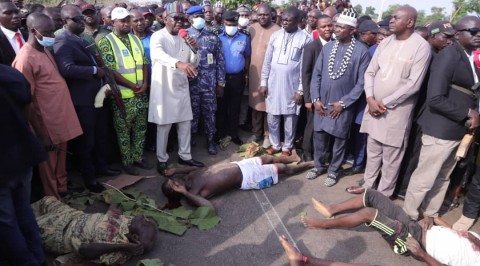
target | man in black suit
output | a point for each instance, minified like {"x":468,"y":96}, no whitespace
{"x":451,"y":110}
{"x":11,"y":39}
{"x":77,"y":64}
{"x":310,"y":55}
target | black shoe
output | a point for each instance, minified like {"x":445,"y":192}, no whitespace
{"x":161,"y":168}
{"x":109,"y":172}
{"x":190,"y":162}
{"x":212,"y":148}
{"x":131,"y":170}
{"x":353,"y":171}
{"x":95,"y":188}
{"x":237,"y":140}
{"x":142,"y":164}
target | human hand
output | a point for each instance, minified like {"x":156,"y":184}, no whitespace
{"x":320,"y":108}
{"x":309,"y":106}
{"x":140,"y":89}
{"x":219,"y":91}
{"x":426,"y":223}
{"x":473,"y":116}
{"x":336,"y":111}
{"x":297,"y":98}
{"x":375,"y":108}
{"x":415,"y":247}
{"x":191,"y":41}
{"x":100,"y":73}
{"x":188,"y":68}
{"x":135,"y":248}
{"x":178,"y":187}
{"x":264,"y":91}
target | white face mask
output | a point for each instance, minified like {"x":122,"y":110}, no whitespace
{"x":243,"y":22}
{"x":198,"y":23}
{"x":231,"y":30}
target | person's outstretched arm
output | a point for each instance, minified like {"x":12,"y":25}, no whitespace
{"x":196,"y":200}
{"x":420,"y":253}
{"x":180,"y":170}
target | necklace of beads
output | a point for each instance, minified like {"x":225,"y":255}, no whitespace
{"x":345,"y":60}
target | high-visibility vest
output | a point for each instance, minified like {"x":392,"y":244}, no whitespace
{"x":128,"y":63}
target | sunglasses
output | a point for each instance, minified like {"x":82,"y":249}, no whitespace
{"x":77,"y":19}
{"x":472,"y":31}
{"x":178,"y":19}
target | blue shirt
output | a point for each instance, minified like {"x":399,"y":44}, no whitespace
{"x":235,"y":49}
{"x":146,"y":48}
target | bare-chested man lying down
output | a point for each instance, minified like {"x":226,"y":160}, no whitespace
{"x":440,"y":245}
{"x":197,"y":185}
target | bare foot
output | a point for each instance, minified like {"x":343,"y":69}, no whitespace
{"x":312,"y":223}
{"x":309,"y":164}
{"x":294,"y":157}
{"x":294,"y":257}
{"x":322,"y":209}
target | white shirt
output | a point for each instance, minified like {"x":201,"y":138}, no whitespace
{"x":450,"y":247}
{"x":472,"y":64}
{"x":322,"y":40}
{"x":12,"y":39}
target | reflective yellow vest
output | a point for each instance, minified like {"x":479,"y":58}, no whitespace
{"x":128,"y":65}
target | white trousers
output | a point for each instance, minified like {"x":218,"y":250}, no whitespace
{"x":184,"y":135}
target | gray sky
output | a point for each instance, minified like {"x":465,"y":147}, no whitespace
{"x":418,"y":4}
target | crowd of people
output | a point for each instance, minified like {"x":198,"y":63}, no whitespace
{"x":393,"y":98}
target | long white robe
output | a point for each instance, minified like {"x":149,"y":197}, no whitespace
{"x":281,"y":70}
{"x":169,"y":91}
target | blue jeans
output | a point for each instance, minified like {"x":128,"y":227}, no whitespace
{"x":20,"y":237}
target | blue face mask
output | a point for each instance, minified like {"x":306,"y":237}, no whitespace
{"x":198,"y":23}
{"x":46,"y":41}
{"x":231,"y":30}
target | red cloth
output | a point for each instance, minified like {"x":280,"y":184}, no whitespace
{"x":476,"y":58}
{"x":19,"y":39}
{"x":315,"y":34}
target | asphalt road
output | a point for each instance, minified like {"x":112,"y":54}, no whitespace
{"x":252,"y":221}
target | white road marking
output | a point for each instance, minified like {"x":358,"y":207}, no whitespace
{"x":272,"y":216}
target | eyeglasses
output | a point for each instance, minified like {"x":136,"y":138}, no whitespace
{"x":77,"y":19}
{"x":178,"y":19}
{"x":472,"y":31}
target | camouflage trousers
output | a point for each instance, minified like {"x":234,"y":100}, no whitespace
{"x":131,"y":129}
{"x":204,"y":104}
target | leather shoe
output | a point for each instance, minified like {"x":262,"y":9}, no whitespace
{"x":353,"y":171}
{"x":129,"y":169}
{"x":142,"y":164}
{"x":237,"y":140}
{"x":190,"y":162}
{"x":95,"y":188}
{"x":161,"y":168}
{"x":109,"y":172}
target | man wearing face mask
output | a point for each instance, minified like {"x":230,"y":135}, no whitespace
{"x":237,"y":51}
{"x":244,"y":19}
{"x":52,"y":114}
{"x":210,"y":80}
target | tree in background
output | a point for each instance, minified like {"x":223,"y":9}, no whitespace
{"x":463,"y":7}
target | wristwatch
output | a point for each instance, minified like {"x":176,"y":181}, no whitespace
{"x":221,"y":84}
{"x":316,"y":100}
{"x":342,"y":104}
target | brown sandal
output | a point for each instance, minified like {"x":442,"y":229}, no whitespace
{"x":271,"y":151}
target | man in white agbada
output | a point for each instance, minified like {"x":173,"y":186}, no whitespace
{"x":172,"y":63}
{"x":281,"y":82}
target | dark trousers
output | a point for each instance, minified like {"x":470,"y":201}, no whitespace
{"x":321,"y":145}
{"x":360,"y":147}
{"x":89,"y":148}
{"x":20,"y":237}
{"x":307,"y":144}
{"x":471,"y":205}
{"x":410,"y":159}
{"x":228,"y":111}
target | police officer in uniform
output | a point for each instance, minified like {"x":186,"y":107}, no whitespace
{"x":210,"y":81}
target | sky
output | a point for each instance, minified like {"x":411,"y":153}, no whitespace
{"x":418,"y":4}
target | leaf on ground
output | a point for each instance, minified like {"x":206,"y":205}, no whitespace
{"x":302,"y":214}
{"x":127,"y":205}
{"x":181,"y":212}
{"x":169,"y":224}
{"x":204,"y":218}
{"x":150,"y":262}
{"x":133,"y":192}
